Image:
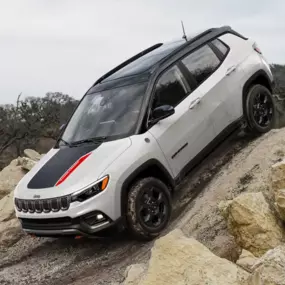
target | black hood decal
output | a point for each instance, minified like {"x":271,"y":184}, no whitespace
{"x":54,"y":168}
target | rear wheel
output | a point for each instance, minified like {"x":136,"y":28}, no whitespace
{"x":259,"y":110}
{"x":149,"y":208}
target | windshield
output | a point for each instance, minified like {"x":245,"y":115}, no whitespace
{"x":108,"y":114}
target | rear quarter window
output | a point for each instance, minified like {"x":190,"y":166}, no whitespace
{"x":201,"y":63}
{"x":220,"y":46}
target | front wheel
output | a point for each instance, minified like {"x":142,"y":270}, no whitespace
{"x":149,"y":208}
{"x":259,"y":110}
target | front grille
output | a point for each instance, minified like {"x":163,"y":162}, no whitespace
{"x":43,"y":205}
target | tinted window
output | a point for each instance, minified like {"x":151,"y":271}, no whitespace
{"x":170,"y":89}
{"x":201,"y":63}
{"x":145,"y":62}
{"x":221,"y":46}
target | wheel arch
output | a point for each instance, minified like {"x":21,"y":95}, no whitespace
{"x":152,"y":168}
{"x":260,"y":77}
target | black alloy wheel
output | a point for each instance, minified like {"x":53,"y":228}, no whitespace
{"x":260,"y":109}
{"x":153,"y":207}
{"x":149,"y":208}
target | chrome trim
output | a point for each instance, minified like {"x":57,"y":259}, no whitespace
{"x":53,"y":232}
{"x":99,"y":225}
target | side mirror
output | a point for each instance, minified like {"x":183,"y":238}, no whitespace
{"x":62,"y":127}
{"x":161,"y":113}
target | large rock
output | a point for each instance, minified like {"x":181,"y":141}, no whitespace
{"x":27,"y":163}
{"x":10,"y":232}
{"x":32,"y":154}
{"x":7,"y":211}
{"x":10,"y":177}
{"x":278,"y":176}
{"x":280,"y":203}
{"x":252,"y":223}
{"x":135,"y":274}
{"x":270,"y":268}
{"x":246,"y":260}
{"x":278,"y":187}
{"x":176,"y":259}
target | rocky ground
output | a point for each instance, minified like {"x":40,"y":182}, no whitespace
{"x":240,"y":165}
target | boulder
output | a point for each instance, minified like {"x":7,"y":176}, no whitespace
{"x":252,"y":223}
{"x":278,"y":176}
{"x":280,"y":203}
{"x":10,"y":177}
{"x":176,"y":259}
{"x":27,"y":163}
{"x":246,"y":260}
{"x":10,"y":232}
{"x":32,"y":154}
{"x":270,"y":268}
{"x":135,"y":273}
{"x":7,"y":210}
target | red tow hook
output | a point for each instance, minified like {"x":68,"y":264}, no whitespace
{"x":78,"y":237}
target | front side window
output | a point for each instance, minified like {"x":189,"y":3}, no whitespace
{"x":170,"y":89}
{"x":201,"y":63}
{"x":110,"y":114}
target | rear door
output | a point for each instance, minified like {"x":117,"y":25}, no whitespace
{"x":231,"y":74}
{"x":184,"y":134}
{"x":206,"y":67}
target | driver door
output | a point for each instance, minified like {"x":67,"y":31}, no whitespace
{"x":184,"y":134}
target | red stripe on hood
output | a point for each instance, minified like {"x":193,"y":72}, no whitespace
{"x":72,"y":168}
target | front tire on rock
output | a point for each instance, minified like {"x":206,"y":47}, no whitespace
{"x":149,"y":208}
{"x":259,"y":110}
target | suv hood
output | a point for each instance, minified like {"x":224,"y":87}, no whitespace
{"x":81,"y":165}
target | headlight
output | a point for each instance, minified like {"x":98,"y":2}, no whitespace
{"x":95,"y":189}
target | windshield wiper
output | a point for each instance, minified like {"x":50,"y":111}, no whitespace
{"x":64,"y":141}
{"x":89,"y":140}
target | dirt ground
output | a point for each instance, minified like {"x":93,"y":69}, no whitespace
{"x":239,"y":164}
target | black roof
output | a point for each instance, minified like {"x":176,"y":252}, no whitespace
{"x":138,"y":68}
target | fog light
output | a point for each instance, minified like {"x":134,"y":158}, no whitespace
{"x":94,"y":218}
{"x":100,"y":217}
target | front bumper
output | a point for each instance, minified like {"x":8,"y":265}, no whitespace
{"x":71,"y":221}
{"x":86,"y":225}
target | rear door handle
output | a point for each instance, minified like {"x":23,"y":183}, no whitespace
{"x":231,"y":70}
{"x":195,"y":103}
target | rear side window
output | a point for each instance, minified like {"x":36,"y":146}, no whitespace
{"x":201,"y":63}
{"x":170,"y":89}
{"x":220,"y":46}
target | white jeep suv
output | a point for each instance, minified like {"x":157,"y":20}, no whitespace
{"x":139,"y":129}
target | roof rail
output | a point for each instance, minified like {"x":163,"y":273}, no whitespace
{"x":219,"y":30}
{"x":125,"y":63}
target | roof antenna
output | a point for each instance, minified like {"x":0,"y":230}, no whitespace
{"x":184,"y":34}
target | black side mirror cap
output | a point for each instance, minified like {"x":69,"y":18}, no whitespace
{"x":161,"y":113}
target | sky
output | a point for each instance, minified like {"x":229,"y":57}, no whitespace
{"x":65,"y":45}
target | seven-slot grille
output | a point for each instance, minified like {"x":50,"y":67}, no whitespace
{"x":43,"y":205}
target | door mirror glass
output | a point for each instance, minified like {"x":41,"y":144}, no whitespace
{"x":162,"y":112}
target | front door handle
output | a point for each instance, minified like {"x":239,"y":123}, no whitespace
{"x":195,"y":103}
{"x":231,"y":70}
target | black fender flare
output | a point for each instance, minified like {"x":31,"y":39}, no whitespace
{"x":251,"y":80}
{"x":132,"y":177}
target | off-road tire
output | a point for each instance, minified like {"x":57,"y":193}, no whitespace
{"x":253,"y":127}
{"x":135,"y":224}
